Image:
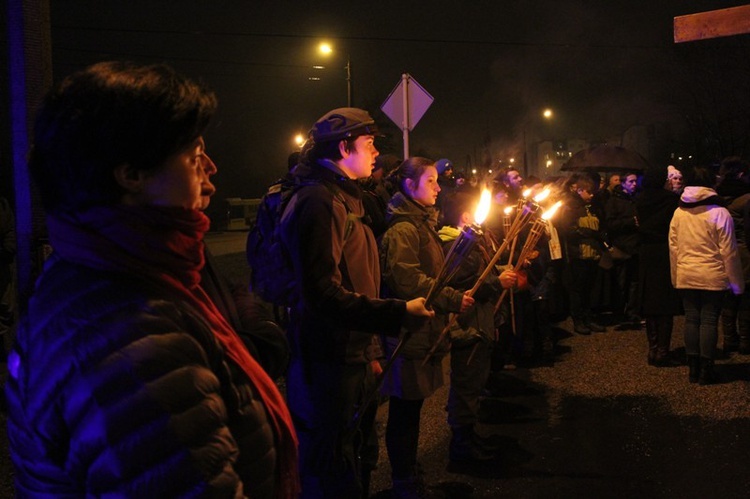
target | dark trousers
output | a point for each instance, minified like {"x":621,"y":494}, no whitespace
{"x":626,"y":299}
{"x":702,"y":309}
{"x":336,"y":458}
{"x":470,"y":368}
{"x":581,"y":281}
{"x":402,"y":436}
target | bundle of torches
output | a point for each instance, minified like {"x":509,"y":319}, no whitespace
{"x":527,"y":212}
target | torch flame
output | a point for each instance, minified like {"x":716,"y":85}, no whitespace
{"x":484,"y":207}
{"x":541,"y":196}
{"x":551,"y":212}
{"x":526,"y":193}
{"x":508,"y":210}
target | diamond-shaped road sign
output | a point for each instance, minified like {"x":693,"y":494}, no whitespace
{"x":417,"y":98}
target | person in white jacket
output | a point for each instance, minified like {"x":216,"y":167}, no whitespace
{"x":704,"y":263}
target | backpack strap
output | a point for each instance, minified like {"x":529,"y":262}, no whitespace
{"x":351,"y":218}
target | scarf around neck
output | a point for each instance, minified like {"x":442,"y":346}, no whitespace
{"x":165,"y":245}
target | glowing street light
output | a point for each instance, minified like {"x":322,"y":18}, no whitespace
{"x":326,"y":49}
{"x":299,"y":139}
{"x":547,"y":114}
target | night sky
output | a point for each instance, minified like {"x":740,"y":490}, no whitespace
{"x":491,"y":66}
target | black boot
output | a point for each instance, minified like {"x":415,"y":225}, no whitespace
{"x":651,"y":336}
{"x":694,"y":366}
{"x":464,"y":447}
{"x":580,"y":327}
{"x":664,"y":326}
{"x":707,"y":375}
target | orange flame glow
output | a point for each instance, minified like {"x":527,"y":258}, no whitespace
{"x":484,"y":207}
{"x":541,"y":196}
{"x":551,"y":211}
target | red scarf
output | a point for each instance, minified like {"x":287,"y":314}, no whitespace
{"x":165,"y":245}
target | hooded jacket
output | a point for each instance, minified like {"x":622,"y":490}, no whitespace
{"x":412,"y":256}
{"x":702,"y":246}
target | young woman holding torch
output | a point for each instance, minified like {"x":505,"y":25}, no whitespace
{"x":411,"y":260}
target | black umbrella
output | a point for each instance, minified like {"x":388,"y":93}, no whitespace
{"x":605,"y":159}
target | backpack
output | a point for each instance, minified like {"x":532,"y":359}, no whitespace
{"x":272,"y":275}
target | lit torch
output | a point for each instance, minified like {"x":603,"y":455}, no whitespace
{"x":537,"y":229}
{"x":526,"y":211}
{"x":461,"y":247}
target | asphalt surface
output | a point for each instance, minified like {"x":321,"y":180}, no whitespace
{"x":559,"y":444}
{"x":597,"y":423}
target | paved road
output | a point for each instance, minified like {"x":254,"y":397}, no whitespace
{"x":564,"y":439}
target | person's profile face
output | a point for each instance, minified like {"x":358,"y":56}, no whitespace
{"x":585,"y":195}
{"x":182,"y":181}
{"x":515,"y":181}
{"x":360,"y":160}
{"x":427,"y":191}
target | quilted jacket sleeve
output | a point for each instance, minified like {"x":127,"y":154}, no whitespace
{"x":114,"y":393}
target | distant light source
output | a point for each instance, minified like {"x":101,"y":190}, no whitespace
{"x":325,"y":48}
{"x":299,"y":139}
{"x":314,"y":78}
{"x":547,"y":113}
{"x":319,"y":67}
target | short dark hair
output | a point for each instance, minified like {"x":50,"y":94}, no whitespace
{"x":325,"y":150}
{"x":455,"y":205}
{"x":587,"y":184}
{"x":701,"y":177}
{"x":107,"y":115}
{"x":733,"y":167}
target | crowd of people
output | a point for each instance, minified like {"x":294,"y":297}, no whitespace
{"x":136,"y":371}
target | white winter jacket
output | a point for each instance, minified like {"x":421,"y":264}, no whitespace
{"x":702,"y":246}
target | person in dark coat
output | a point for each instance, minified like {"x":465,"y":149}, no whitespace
{"x":621,"y":224}
{"x":472,"y":333}
{"x":125,"y":379}
{"x":735,"y":312}
{"x":658,"y":301}
{"x":335,"y":311}
{"x":579,"y":227}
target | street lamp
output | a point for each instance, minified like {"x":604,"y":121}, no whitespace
{"x":326,"y":49}
{"x":547,"y":114}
